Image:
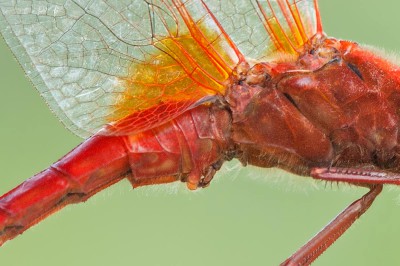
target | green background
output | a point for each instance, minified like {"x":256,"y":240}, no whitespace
{"x":246,"y":216}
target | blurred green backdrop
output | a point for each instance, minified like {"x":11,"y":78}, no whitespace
{"x":246,"y":217}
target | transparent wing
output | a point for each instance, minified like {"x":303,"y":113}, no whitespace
{"x":261,"y":28}
{"x":98,"y":62}
{"x":134,"y":64}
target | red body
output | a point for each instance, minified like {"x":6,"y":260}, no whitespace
{"x":315,"y":119}
{"x":327,"y":109}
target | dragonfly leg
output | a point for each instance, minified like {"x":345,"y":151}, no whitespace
{"x":331,"y":232}
{"x":356,"y":176}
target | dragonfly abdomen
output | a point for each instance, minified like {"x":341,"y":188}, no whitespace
{"x":94,"y":165}
{"x":187,"y":148}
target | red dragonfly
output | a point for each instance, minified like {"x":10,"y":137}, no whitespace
{"x":182,"y":69}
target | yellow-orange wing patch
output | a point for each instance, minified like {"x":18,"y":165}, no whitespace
{"x":192,"y":61}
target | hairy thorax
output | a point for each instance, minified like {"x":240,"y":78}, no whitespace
{"x":337,"y":104}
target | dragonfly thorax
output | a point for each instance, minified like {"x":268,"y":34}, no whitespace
{"x":326,"y":108}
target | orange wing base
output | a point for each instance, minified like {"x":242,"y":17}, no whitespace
{"x":192,"y":62}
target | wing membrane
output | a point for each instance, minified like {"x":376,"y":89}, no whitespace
{"x":97,"y":62}
{"x":263,"y":28}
